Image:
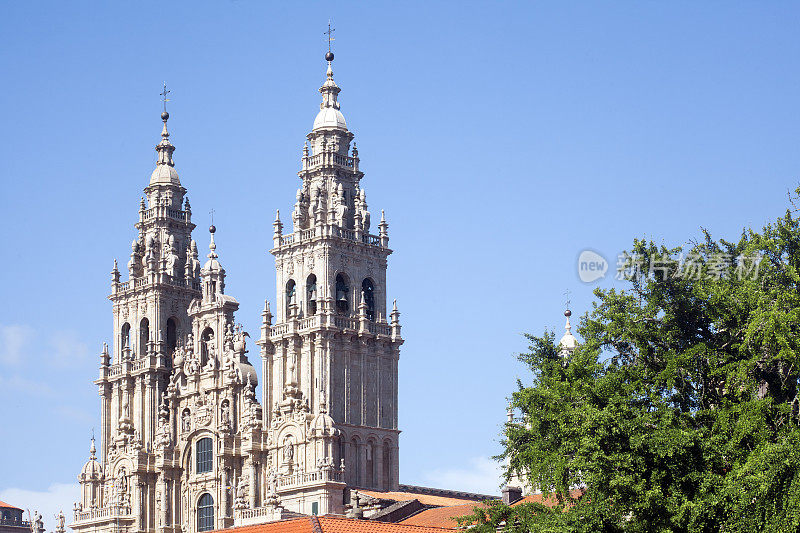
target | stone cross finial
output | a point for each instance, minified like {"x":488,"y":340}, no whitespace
{"x":329,"y":33}
{"x":164,"y":98}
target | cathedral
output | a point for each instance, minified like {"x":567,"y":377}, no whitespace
{"x":185,"y":443}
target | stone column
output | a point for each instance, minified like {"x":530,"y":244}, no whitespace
{"x":377,"y":462}
{"x":162,"y":490}
{"x":253,"y":484}
{"x":224,"y":499}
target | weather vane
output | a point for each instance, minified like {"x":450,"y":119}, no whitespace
{"x":212,"y":216}
{"x":164,"y":98}
{"x":329,"y":33}
{"x":566,"y":294}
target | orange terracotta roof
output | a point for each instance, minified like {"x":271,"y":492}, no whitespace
{"x":9,"y":506}
{"x":332,"y":524}
{"x":426,"y":499}
{"x":440,"y":516}
{"x":295,"y":525}
{"x":549,"y":501}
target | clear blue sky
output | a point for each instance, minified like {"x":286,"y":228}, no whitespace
{"x":501,"y":139}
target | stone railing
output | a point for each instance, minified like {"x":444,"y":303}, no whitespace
{"x":102,"y":512}
{"x":310,"y":322}
{"x":306,"y":478}
{"x":15,"y":523}
{"x":330,"y":158}
{"x":377,"y":328}
{"x":330,"y":231}
{"x":162,"y":211}
{"x":345,"y":322}
{"x":143,"y":281}
{"x":332,"y":321}
{"x":280,"y":329}
{"x":247,"y":514}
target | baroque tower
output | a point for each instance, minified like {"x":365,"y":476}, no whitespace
{"x":332,"y":349}
{"x":181,"y":441}
{"x":185,"y":445}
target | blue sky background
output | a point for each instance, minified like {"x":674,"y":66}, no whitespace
{"x":501,"y":139}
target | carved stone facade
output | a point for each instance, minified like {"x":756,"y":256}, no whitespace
{"x":185,"y":444}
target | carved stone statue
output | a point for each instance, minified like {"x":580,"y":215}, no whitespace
{"x":288,"y":451}
{"x":186,"y":421}
{"x":60,"y":522}
{"x":225,"y":416}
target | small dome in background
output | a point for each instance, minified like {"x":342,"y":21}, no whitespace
{"x":568,"y":342}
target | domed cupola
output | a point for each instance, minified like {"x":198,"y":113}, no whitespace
{"x":568,"y":342}
{"x":329,"y":115}
{"x":92,"y":470}
{"x":165,"y":173}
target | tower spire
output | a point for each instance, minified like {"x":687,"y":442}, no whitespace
{"x":568,"y":342}
{"x":165,"y":172}
{"x":212,"y":246}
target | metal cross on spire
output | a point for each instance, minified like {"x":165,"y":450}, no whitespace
{"x":164,"y":98}
{"x":212,"y":216}
{"x":566,"y":295}
{"x":329,"y":33}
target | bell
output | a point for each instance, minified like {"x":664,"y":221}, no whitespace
{"x":341,"y":295}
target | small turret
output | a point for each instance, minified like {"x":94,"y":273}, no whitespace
{"x":383,"y":230}
{"x":568,"y":342}
{"x":277,"y":229}
{"x":212,"y":274}
{"x":395,"y":321}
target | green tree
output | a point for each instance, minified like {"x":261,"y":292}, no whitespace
{"x":679,"y":411}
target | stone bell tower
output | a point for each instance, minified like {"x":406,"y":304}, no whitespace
{"x":150,"y":309}
{"x":150,"y":315}
{"x":334,"y":348}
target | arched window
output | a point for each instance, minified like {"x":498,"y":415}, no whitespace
{"x":355,"y":454}
{"x":124,"y":337}
{"x":172,"y":334}
{"x":205,"y":339}
{"x":290,"y":288}
{"x":342,"y":294}
{"x":369,"y":297}
{"x":311,"y":294}
{"x":387,"y":465}
{"x":370,"y":464}
{"x":205,"y":456}
{"x":205,"y":513}
{"x":144,"y":336}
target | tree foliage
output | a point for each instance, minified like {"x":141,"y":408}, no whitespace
{"x":679,"y":410}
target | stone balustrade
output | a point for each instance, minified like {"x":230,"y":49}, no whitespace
{"x":328,"y":230}
{"x":307,"y":478}
{"x":323,"y":320}
{"x":143,"y":281}
{"x":329,"y":158}
{"x":162,"y":211}
{"x":103,"y":512}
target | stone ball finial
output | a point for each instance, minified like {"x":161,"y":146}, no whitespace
{"x":329,"y":56}
{"x":567,"y":313}
{"x":164,"y":116}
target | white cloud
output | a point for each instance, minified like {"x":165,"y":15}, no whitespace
{"x":67,"y":347}
{"x":57,"y":497}
{"x":13,"y":341}
{"x":483,"y":475}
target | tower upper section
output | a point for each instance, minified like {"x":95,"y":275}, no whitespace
{"x":163,"y":269}
{"x":330,"y":192}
